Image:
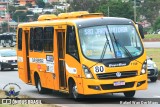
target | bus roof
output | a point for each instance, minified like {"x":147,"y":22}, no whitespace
{"x":80,"y":22}
{"x":81,"y":19}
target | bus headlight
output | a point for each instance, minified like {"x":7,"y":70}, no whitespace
{"x":144,"y":68}
{"x":154,"y":65}
{"x":87,"y":72}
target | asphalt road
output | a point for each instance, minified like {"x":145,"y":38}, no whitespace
{"x":152,"y":44}
{"x":8,"y":76}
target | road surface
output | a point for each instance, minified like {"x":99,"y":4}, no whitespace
{"x":7,"y":76}
{"x":152,"y":44}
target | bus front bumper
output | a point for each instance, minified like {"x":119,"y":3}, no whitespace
{"x":96,"y":86}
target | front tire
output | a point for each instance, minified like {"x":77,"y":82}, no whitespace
{"x":153,"y":79}
{"x":129,"y":94}
{"x":73,"y":91}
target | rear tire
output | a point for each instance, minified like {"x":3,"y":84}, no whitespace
{"x":1,"y":69}
{"x":73,"y":92}
{"x":129,"y":94}
{"x":153,"y":79}
{"x":39,"y":87}
{"x":12,"y":69}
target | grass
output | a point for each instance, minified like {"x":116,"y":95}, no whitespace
{"x":155,"y":54}
{"x":152,"y":36}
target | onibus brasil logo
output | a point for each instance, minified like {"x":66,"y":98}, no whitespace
{"x":12,"y":90}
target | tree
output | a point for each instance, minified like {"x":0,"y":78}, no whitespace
{"x":150,"y":9}
{"x":40,"y":3}
{"x":35,"y":17}
{"x":21,"y":8}
{"x":84,"y":5}
{"x":48,"y":5}
{"x":47,"y":12}
{"x":116,"y":9}
{"x":4,"y":27}
{"x":11,"y":10}
{"x":156,"y":25}
{"x":28,"y":5}
{"x":20,"y":16}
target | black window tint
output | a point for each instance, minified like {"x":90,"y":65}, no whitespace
{"x":20,"y":39}
{"x":31,"y":39}
{"x":38,"y":39}
{"x":71,"y":47}
{"x":48,"y":39}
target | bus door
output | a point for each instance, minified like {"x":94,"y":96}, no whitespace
{"x":26,"y":57}
{"x":61,"y":58}
{"x":22,"y":58}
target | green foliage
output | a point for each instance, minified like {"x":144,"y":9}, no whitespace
{"x":84,"y":5}
{"x":21,"y":8}
{"x":35,"y":17}
{"x":29,"y":12}
{"x":58,"y":11}
{"x":157,"y":24}
{"x":48,"y":5}
{"x":4,"y":27}
{"x":20,"y":16}
{"x":47,"y":12}
{"x":28,"y":5}
{"x":150,"y":9}
{"x":40,"y":3}
{"x":116,"y":9}
{"x":11,"y":9}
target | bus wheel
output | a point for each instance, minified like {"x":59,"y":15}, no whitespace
{"x":40,"y":89}
{"x":129,"y":94}
{"x":73,"y":91}
{"x":1,"y":69}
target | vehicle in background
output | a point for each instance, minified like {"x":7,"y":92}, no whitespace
{"x":8,"y":59}
{"x":8,"y":39}
{"x":152,"y":70}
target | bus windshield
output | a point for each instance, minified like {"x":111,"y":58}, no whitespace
{"x":122,"y":41}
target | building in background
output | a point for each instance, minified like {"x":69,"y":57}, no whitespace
{"x":23,"y":2}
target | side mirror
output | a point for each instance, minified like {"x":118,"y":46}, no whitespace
{"x":151,"y":58}
{"x":140,"y":28}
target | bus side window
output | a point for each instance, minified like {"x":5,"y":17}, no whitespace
{"x":31,"y":39}
{"x":71,"y":42}
{"x":20,"y":39}
{"x":48,"y":39}
{"x":38,"y":39}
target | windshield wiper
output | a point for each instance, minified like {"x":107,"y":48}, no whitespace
{"x":123,"y":47}
{"x":103,"y":51}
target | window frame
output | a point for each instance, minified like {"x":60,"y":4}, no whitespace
{"x":20,"y":38}
{"x":40,"y":40}
{"x":48,"y":38}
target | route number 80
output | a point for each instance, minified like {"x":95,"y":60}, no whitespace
{"x":99,"y":69}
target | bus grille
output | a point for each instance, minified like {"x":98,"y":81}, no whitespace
{"x":112,"y":75}
{"x":110,"y":86}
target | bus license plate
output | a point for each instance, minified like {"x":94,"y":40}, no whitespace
{"x":119,"y":83}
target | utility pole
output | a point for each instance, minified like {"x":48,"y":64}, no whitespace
{"x":8,"y":16}
{"x":108,"y":11}
{"x":135,"y":14}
